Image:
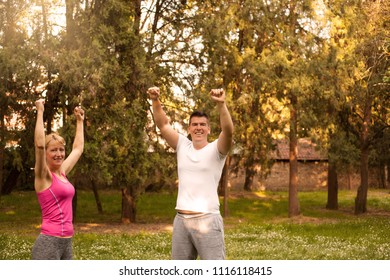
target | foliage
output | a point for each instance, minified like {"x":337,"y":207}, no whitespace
{"x":20,"y":77}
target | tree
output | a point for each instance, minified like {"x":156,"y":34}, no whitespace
{"x":19,"y":78}
{"x":333,"y":85}
{"x":111,"y":62}
{"x":356,"y":66}
{"x":288,"y":59}
{"x":110,"y":86}
{"x":370,"y":90}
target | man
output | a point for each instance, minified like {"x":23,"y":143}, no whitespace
{"x":198,"y":226}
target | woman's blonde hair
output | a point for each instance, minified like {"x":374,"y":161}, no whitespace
{"x":54,"y":137}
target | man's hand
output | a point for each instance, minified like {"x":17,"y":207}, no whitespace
{"x":40,"y":104}
{"x":218,"y":95}
{"x":154,"y":93}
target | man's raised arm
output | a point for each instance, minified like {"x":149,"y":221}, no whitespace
{"x":225,"y":139}
{"x":168,"y":133}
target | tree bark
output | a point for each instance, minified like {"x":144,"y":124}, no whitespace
{"x":388,"y":174}
{"x":382,"y":176}
{"x":2,"y":148}
{"x":293,"y":209}
{"x":332,"y":188}
{"x":70,"y":23}
{"x":11,"y":181}
{"x":361,"y":198}
{"x":137,"y":17}
{"x":349,"y":175}
{"x":97,"y":197}
{"x":249,"y":175}
{"x":128,"y":207}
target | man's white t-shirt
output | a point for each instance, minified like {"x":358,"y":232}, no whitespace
{"x":199,"y":172}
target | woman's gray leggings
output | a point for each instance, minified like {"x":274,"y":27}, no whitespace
{"x":52,"y":248}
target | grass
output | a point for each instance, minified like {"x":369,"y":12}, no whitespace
{"x":257,"y":227}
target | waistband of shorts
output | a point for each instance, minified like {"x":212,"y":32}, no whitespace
{"x":195,"y":216}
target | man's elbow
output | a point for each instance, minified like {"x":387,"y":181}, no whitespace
{"x":232,"y":130}
{"x":229,"y":131}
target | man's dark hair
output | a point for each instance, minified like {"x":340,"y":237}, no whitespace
{"x":199,"y":114}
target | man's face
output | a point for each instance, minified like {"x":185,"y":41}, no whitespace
{"x":199,"y":128}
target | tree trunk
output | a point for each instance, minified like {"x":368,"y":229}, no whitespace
{"x":97,"y":197}
{"x":333,"y":187}
{"x":1,"y":172}
{"x":249,"y":175}
{"x":11,"y":181}
{"x":137,"y":17}
{"x":349,"y":175}
{"x":382,"y":176}
{"x":361,"y":198}
{"x":70,"y":23}
{"x":128,"y":207}
{"x":2,"y":147}
{"x":388,"y":174}
{"x":44,"y":19}
{"x":293,"y":209}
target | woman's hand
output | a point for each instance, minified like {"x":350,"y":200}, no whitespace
{"x":79,"y":113}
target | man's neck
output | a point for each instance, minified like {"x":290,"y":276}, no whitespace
{"x":199,"y":145}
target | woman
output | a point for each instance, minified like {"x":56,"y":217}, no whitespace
{"x":54,"y":191}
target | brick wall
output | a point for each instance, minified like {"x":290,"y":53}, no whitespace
{"x":311,"y":176}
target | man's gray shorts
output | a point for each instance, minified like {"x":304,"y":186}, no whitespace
{"x":198,"y":235}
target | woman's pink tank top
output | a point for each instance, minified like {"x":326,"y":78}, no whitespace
{"x":56,"y":205}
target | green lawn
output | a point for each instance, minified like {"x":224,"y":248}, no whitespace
{"x":256,"y":228}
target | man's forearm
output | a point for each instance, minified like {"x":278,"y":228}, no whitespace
{"x":159,"y":115}
{"x":225,"y":118}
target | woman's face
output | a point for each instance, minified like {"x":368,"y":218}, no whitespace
{"x":55,"y":154}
